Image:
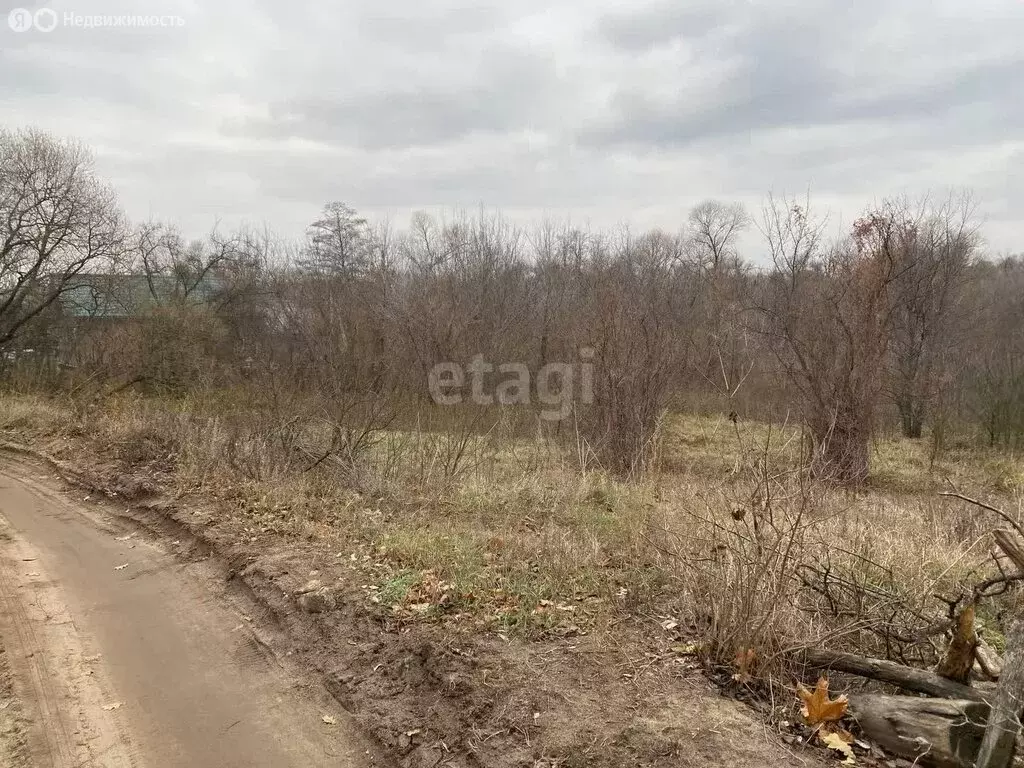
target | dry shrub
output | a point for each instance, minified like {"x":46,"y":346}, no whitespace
{"x":740,"y":571}
{"x":637,"y":329}
{"x":775,"y":560}
{"x":257,"y":438}
{"x":145,"y":444}
{"x":824,"y":571}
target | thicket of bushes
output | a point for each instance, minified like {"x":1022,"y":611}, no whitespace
{"x":899,"y":321}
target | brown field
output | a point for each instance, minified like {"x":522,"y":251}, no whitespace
{"x":493,"y":540}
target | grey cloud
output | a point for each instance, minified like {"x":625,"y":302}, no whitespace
{"x":425,"y":28}
{"x":795,"y":72}
{"x":755,"y":100}
{"x":512,"y":91}
{"x":546,"y":107}
{"x":639,"y":30}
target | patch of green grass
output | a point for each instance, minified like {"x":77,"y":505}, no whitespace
{"x":395,"y":589}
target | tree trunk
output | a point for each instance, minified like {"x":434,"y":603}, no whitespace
{"x":911,"y":419}
{"x":1000,"y":740}
{"x":841,"y":453}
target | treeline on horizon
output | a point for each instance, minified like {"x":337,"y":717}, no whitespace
{"x":899,"y":323}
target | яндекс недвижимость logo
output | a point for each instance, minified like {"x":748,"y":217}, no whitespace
{"x":47,"y":19}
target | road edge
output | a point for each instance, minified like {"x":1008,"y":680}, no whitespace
{"x":190,"y":545}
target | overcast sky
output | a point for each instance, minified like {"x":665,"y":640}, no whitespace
{"x":605,"y":112}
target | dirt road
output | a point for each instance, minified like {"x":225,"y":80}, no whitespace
{"x":122,"y":654}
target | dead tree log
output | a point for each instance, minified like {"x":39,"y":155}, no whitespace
{"x":1010,"y":544}
{"x":1000,"y":741}
{"x":943,"y":733}
{"x":908,"y":678}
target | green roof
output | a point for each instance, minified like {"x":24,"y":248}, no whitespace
{"x":113,"y":296}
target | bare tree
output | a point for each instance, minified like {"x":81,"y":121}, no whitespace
{"x":992,"y":370}
{"x":900,"y":306}
{"x":827,"y":317}
{"x":935,"y":256}
{"x":336,"y":243}
{"x":712,"y":249}
{"x":56,"y":221}
{"x":712,"y":233}
{"x":191,"y":271}
{"x":637,"y":318}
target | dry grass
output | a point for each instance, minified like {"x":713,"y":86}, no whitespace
{"x":32,"y":414}
{"x":730,"y":544}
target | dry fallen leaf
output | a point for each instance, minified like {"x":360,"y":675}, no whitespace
{"x":818,"y":708}
{"x":845,"y":735}
{"x":838,"y":743}
{"x":329,"y":719}
{"x":110,"y":707}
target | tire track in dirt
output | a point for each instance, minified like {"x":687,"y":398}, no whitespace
{"x":68,"y":724}
{"x":125,"y":657}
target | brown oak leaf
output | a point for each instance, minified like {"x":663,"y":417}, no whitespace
{"x":818,"y":708}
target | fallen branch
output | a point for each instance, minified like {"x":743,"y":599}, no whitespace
{"x":908,"y":678}
{"x":983,"y":505}
{"x":989,"y":661}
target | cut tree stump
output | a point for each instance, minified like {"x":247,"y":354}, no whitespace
{"x":943,"y":733}
{"x":958,"y":660}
